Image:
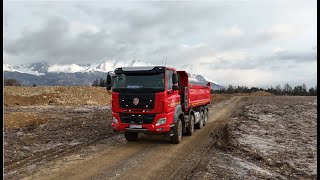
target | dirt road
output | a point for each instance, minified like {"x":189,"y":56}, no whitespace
{"x":152,"y":157}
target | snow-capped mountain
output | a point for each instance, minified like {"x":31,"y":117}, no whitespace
{"x":7,"y":67}
{"x":26,"y":68}
{"x":43,"y":68}
{"x":40,"y":68}
{"x":69,"y":74}
{"x":199,"y":79}
{"x":70,"y":68}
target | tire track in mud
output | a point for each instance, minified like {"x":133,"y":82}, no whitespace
{"x":196,"y":153}
{"x":151,"y":157}
{"x":52,"y":153}
{"x":56,"y":126}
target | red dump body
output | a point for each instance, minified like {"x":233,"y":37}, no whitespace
{"x":197,"y":94}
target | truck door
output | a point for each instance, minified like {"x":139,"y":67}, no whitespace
{"x":173,"y":98}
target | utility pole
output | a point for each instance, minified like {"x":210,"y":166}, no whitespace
{"x":165,"y":61}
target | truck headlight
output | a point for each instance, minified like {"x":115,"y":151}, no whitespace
{"x":115,"y":120}
{"x":161,"y":121}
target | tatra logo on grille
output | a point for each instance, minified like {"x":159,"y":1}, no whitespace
{"x":135,"y":101}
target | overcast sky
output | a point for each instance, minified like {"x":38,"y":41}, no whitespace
{"x":253,"y":42}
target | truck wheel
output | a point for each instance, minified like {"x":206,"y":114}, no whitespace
{"x":190,"y":127}
{"x":206,"y":116}
{"x":199,"y":125}
{"x":131,"y":136}
{"x":177,"y":136}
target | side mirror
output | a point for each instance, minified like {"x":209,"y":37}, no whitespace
{"x":109,"y":82}
{"x":174,"y":78}
{"x":175,"y":82}
{"x":175,"y":87}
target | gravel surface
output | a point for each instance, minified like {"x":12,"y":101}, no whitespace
{"x":267,"y":138}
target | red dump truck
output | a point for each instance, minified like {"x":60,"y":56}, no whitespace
{"x":157,"y":100}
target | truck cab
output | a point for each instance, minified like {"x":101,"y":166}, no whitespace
{"x":149,"y":100}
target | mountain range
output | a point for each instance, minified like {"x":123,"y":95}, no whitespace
{"x":45,"y":74}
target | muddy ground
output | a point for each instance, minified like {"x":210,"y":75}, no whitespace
{"x":57,"y":130}
{"x":257,"y":137}
{"x":266,"y":138}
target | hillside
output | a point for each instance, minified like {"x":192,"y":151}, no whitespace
{"x":55,"y":95}
{"x":45,"y":74}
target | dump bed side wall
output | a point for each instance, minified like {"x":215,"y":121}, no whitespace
{"x":198,"y":95}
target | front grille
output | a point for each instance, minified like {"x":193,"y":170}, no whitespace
{"x":137,"y":118}
{"x":146,"y":100}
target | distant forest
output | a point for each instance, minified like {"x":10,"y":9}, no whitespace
{"x":101,"y":83}
{"x":287,"y":89}
{"x":11,"y":82}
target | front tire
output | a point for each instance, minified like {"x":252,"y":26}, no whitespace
{"x":177,"y":135}
{"x":131,"y":136}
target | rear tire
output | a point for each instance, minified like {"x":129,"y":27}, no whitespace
{"x":206,"y":116}
{"x":177,"y":136}
{"x":131,"y":136}
{"x":190,"y":127}
{"x":199,"y":125}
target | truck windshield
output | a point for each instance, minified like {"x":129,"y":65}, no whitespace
{"x":139,"y":83}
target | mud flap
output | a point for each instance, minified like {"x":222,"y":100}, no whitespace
{"x":116,"y":131}
{"x":177,"y":113}
{"x":171,"y":130}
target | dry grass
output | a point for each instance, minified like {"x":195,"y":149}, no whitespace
{"x":55,"y":95}
{"x":215,"y":98}
{"x":22,"y":119}
{"x":261,"y":93}
{"x":77,"y":96}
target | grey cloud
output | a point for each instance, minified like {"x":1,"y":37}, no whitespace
{"x":160,"y":21}
{"x":159,"y":30}
{"x":265,"y":37}
{"x":54,"y":43}
{"x":278,"y":60}
{"x":150,"y":31}
{"x":125,"y":33}
{"x":296,"y":56}
{"x":48,"y":38}
{"x":234,"y":64}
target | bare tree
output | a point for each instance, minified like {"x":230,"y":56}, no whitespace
{"x":287,"y":89}
{"x":278,"y":89}
{"x":11,"y":82}
{"x":95,"y":83}
{"x":311,"y":92}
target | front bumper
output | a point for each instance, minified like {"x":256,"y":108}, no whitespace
{"x":146,"y":128}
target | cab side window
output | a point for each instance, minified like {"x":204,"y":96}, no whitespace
{"x":170,"y":84}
